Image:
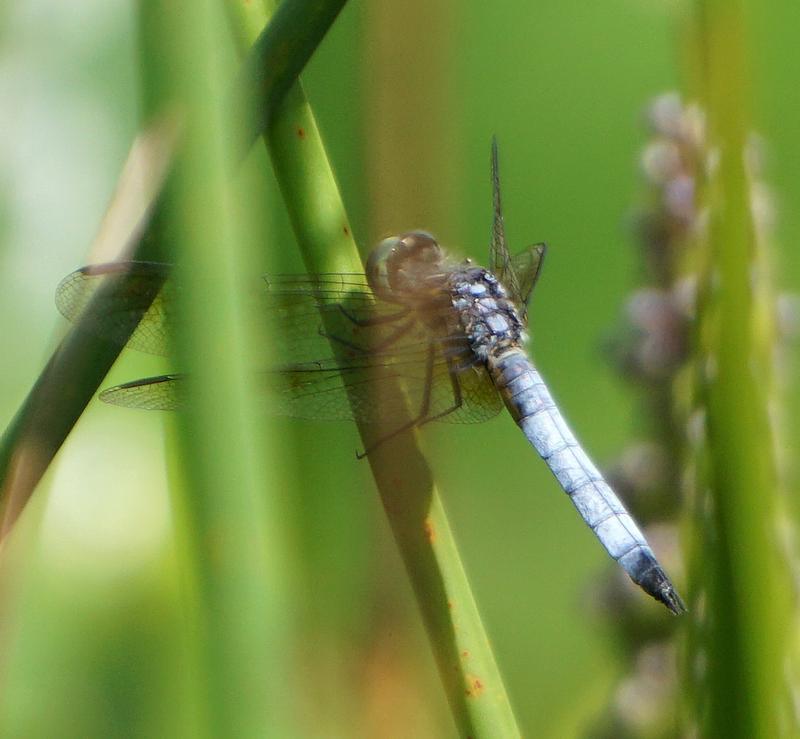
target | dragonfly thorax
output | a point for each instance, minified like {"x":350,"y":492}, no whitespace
{"x":488,"y":317}
{"x":413,"y":270}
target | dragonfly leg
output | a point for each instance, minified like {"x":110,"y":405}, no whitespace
{"x":374,"y":320}
{"x":423,"y":409}
{"x":458,"y":397}
{"x":376,"y":347}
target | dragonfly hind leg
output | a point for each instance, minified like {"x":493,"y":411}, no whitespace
{"x":423,"y":416}
{"x":458,"y":397}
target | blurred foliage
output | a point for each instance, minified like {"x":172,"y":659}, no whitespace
{"x":91,"y":634}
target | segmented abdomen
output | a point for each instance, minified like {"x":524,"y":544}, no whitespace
{"x":533,"y":408}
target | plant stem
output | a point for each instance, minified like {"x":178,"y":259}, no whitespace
{"x":748,"y":609}
{"x":234,"y":560}
{"x":275,"y":58}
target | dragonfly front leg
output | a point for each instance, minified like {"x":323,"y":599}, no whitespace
{"x":374,"y":320}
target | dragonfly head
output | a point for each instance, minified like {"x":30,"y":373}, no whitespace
{"x":402,"y":263}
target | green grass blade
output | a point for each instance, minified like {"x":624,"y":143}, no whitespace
{"x":230,"y":521}
{"x":742,"y":630}
{"x":277,"y":56}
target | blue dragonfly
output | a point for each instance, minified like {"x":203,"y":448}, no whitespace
{"x":451,"y":332}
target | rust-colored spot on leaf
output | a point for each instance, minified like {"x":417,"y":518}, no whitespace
{"x":465,"y":654}
{"x":346,"y":231}
{"x":430,"y":531}
{"x":450,"y":604}
{"x":474,"y":686}
{"x":301,"y":132}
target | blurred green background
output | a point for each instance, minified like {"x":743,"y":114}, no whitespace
{"x":90,"y":630}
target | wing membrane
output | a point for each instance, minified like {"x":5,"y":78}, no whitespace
{"x":527,"y":266}
{"x":333,"y":393}
{"x":126,"y":290}
{"x":518,"y":273}
{"x":163,"y":393}
{"x":305,"y":309}
{"x":499,"y":256}
{"x":334,"y":346}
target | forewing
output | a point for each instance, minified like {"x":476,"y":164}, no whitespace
{"x":105,"y":299}
{"x":500,"y":262}
{"x":518,"y":274}
{"x":307,"y":313}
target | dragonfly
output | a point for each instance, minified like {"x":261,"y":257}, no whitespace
{"x":451,"y":332}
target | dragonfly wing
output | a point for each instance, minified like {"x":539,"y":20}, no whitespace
{"x":309,"y":312}
{"x":527,"y":266}
{"x":324,"y":390}
{"x":163,"y":393}
{"x":334,"y":347}
{"x":518,"y":273}
{"x":106,"y":299}
{"x":480,"y":400}
{"x":368,"y":393}
{"x":374,"y":344}
{"x":499,"y":257}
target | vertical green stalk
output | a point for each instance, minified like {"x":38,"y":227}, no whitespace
{"x":234,"y":558}
{"x":467,"y":666}
{"x":742,"y":639}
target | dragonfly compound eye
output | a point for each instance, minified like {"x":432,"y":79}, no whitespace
{"x":378,"y":266}
{"x":399,"y":261}
{"x":419,"y":246}
{"x":394,"y":258}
